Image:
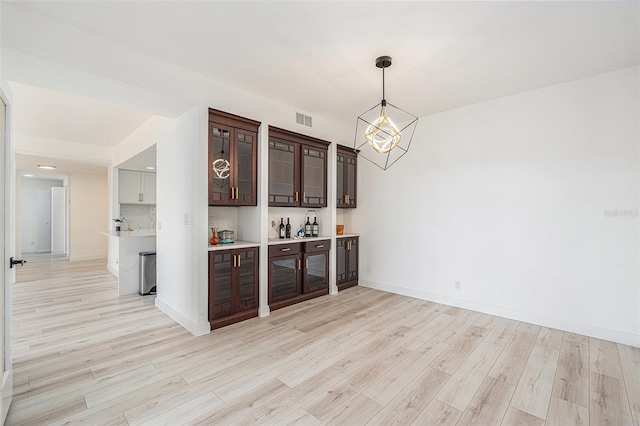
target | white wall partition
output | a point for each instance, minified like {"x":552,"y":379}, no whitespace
{"x":87,"y":214}
{"x":530,"y":202}
{"x":59,"y":220}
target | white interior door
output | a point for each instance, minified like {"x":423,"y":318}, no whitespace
{"x":44,"y":221}
{"x":7,"y":276}
{"x":58,"y":220}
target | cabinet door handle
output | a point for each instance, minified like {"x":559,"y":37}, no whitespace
{"x":348,"y":199}
{"x":237,"y":195}
{"x":304,"y":197}
{"x":306,"y":263}
{"x":299,"y":263}
{"x":235,"y":265}
{"x":238,"y":260}
{"x":320,"y":246}
{"x":285,"y":249}
{"x":297,"y":196}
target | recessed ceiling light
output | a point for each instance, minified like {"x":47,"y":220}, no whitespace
{"x":46,"y":166}
{"x":27,"y":175}
{"x":150,"y":168}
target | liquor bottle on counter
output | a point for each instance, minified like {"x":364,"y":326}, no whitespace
{"x":287,"y":230}
{"x":281,"y":228}
{"x":307,"y":228}
{"x":314,"y":227}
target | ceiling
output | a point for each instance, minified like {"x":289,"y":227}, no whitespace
{"x":142,"y":161}
{"x":47,"y":114}
{"x":319,"y":56}
{"x":29,"y":164}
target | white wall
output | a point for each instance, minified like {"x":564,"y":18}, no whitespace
{"x":177,"y":248}
{"x":28,"y":210}
{"x":513,"y":199}
{"x":88,"y":215}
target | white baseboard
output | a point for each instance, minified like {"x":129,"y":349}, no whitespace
{"x":81,"y":258}
{"x":113,"y":271}
{"x":263,"y":311}
{"x":617,"y":336}
{"x":7,"y":394}
{"x":191,"y":326}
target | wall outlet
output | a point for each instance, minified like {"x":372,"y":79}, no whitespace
{"x":211,"y":220}
{"x":458,"y":285}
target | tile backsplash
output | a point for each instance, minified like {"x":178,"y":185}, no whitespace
{"x":141,"y":217}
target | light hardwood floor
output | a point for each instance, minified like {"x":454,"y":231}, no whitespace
{"x":83,"y":355}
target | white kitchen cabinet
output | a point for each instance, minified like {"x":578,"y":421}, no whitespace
{"x":136,"y":187}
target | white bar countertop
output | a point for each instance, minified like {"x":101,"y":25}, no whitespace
{"x":296,"y":240}
{"x":347,"y":235}
{"x":234,"y":245}
{"x":129,"y":234}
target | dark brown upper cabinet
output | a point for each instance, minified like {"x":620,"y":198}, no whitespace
{"x":347,"y":168}
{"x":233,"y":160}
{"x":297,"y":170}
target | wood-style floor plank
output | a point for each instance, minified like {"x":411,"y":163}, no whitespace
{"x":83,"y":355}
{"x":533,"y":392}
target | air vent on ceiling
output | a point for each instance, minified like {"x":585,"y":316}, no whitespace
{"x":305,"y":120}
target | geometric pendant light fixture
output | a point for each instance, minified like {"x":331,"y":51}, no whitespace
{"x":384,"y":132}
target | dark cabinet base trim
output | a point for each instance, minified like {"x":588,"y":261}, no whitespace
{"x":348,"y":284}
{"x":233,"y":318}
{"x":297,"y":299}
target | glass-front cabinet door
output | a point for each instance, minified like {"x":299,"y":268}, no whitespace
{"x":350,"y":180}
{"x":220,"y":138}
{"x":283,"y":175}
{"x":352,"y":259}
{"x":346,"y":185}
{"x":246,"y":169}
{"x":221,"y":289}
{"x":284,"y":277}
{"x":247,"y":269}
{"x":314,"y":177}
{"x":340,"y":198}
{"x":316,"y":267}
{"x":341,"y":260}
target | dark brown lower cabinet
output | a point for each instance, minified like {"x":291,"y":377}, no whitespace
{"x":347,"y":262}
{"x":298,"y":272}
{"x":233,"y":286}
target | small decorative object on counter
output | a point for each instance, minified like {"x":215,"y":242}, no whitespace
{"x":118,"y":223}
{"x":301,"y":231}
{"x":339,"y":229}
{"x":273,"y":234}
{"x":214,"y":237}
{"x":315,"y":227}
{"x":225,"y":236}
